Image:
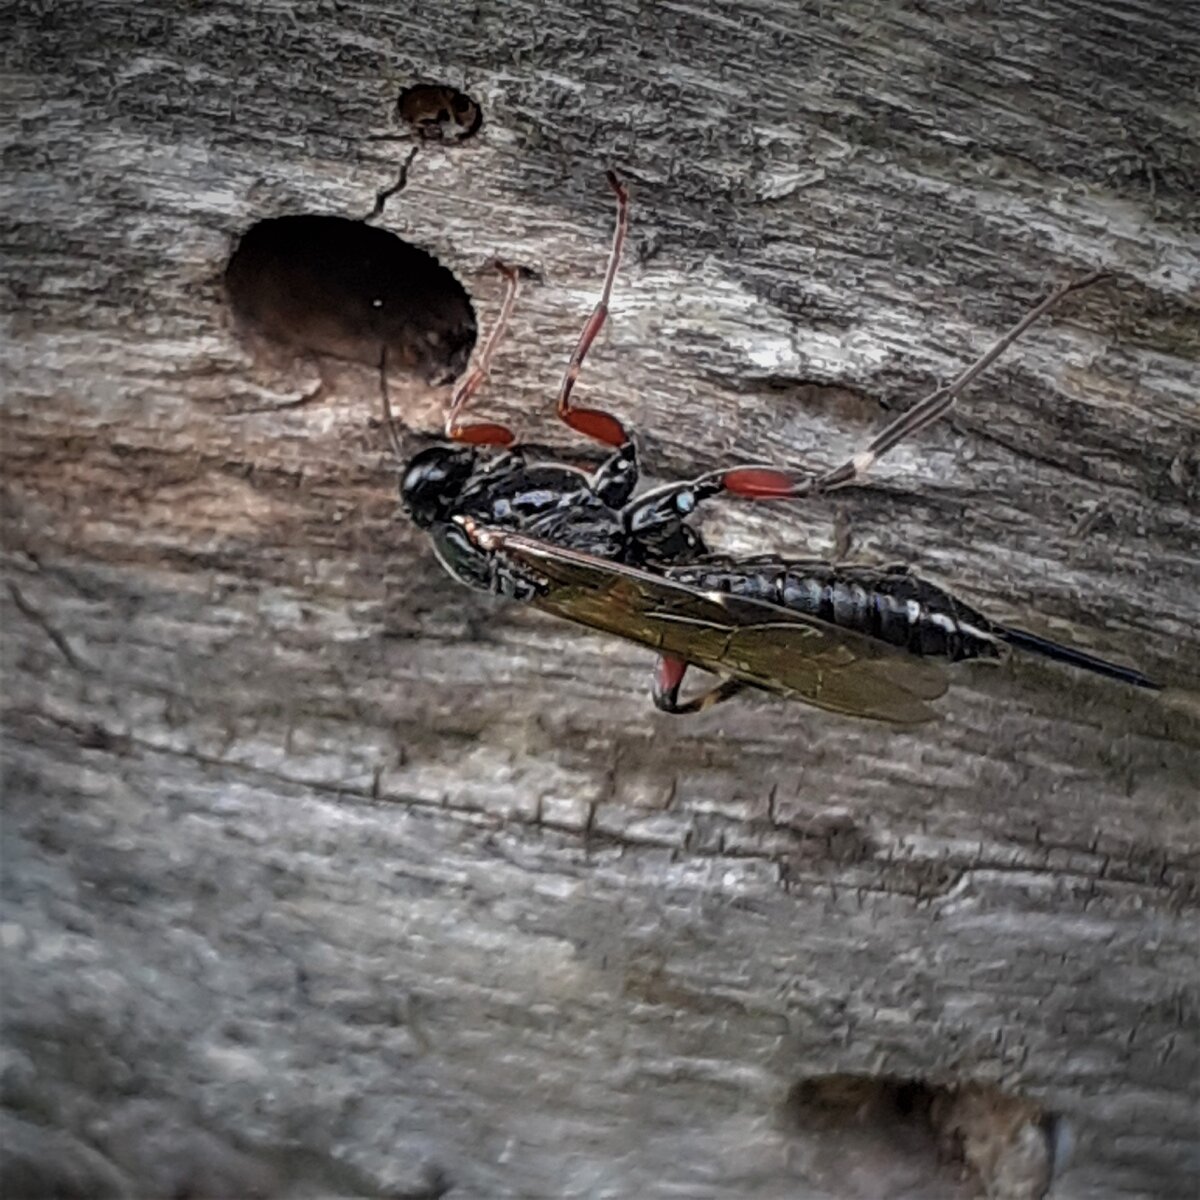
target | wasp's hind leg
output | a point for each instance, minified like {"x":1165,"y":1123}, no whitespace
{"x":668,"y":678}
{"x":592,"y":422}
{"x":772,"y":483}
{"x":674,"y":502}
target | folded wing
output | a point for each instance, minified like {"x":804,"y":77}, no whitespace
{"x":761,"y":644}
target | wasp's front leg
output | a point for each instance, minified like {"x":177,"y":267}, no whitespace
{"x":484,"y":433}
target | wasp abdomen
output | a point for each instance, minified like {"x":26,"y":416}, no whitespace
{"x":893,"y":606}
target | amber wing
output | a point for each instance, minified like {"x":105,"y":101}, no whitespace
{"x":761,"y":644}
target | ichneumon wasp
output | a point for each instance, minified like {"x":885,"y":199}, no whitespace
{"x":851,"y":639}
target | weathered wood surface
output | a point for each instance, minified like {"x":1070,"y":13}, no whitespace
{"x":323,"y":875}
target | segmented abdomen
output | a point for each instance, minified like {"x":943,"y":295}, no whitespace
{"x":892,"y":605}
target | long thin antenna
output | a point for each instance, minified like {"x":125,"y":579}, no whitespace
{"x":388,"y":420}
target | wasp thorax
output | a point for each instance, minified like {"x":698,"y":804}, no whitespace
{"x":433,"y":481}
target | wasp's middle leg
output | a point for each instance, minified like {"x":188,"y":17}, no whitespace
{"x":617,"y":476}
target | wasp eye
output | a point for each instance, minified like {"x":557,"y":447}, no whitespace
{"x":433,"y":481}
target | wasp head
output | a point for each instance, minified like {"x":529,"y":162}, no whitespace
{"x":433,"y":481}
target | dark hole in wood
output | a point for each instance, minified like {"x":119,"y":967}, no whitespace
{"x":888,"y":1126}
{"x":843,"y":1101}
{"x":329,"y":286}
{"x":439,"y":113}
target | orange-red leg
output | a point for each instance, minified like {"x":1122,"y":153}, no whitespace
{"x":592,"y":422}
{"x":668,"y":679}
{"x":770,"y":483}
{"x":484,"y":433}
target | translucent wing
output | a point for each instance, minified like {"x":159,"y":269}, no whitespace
{"x":762,"y":644}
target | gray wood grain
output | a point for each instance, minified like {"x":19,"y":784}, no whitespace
{"x":324,"y":876}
